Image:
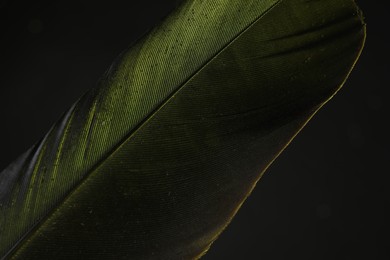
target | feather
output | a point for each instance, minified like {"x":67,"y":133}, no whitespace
{"x":155,"y":161}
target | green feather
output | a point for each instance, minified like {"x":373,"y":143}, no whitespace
{"x":155,"y":161}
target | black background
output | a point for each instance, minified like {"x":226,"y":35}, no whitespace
{"x":325,"y":197}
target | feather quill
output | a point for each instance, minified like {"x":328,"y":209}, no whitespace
{"x":155,"y":161}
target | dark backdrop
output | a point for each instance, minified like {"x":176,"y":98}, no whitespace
{"x":325,"y":197}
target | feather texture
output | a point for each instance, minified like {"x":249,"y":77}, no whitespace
{"x":155,"y":161}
